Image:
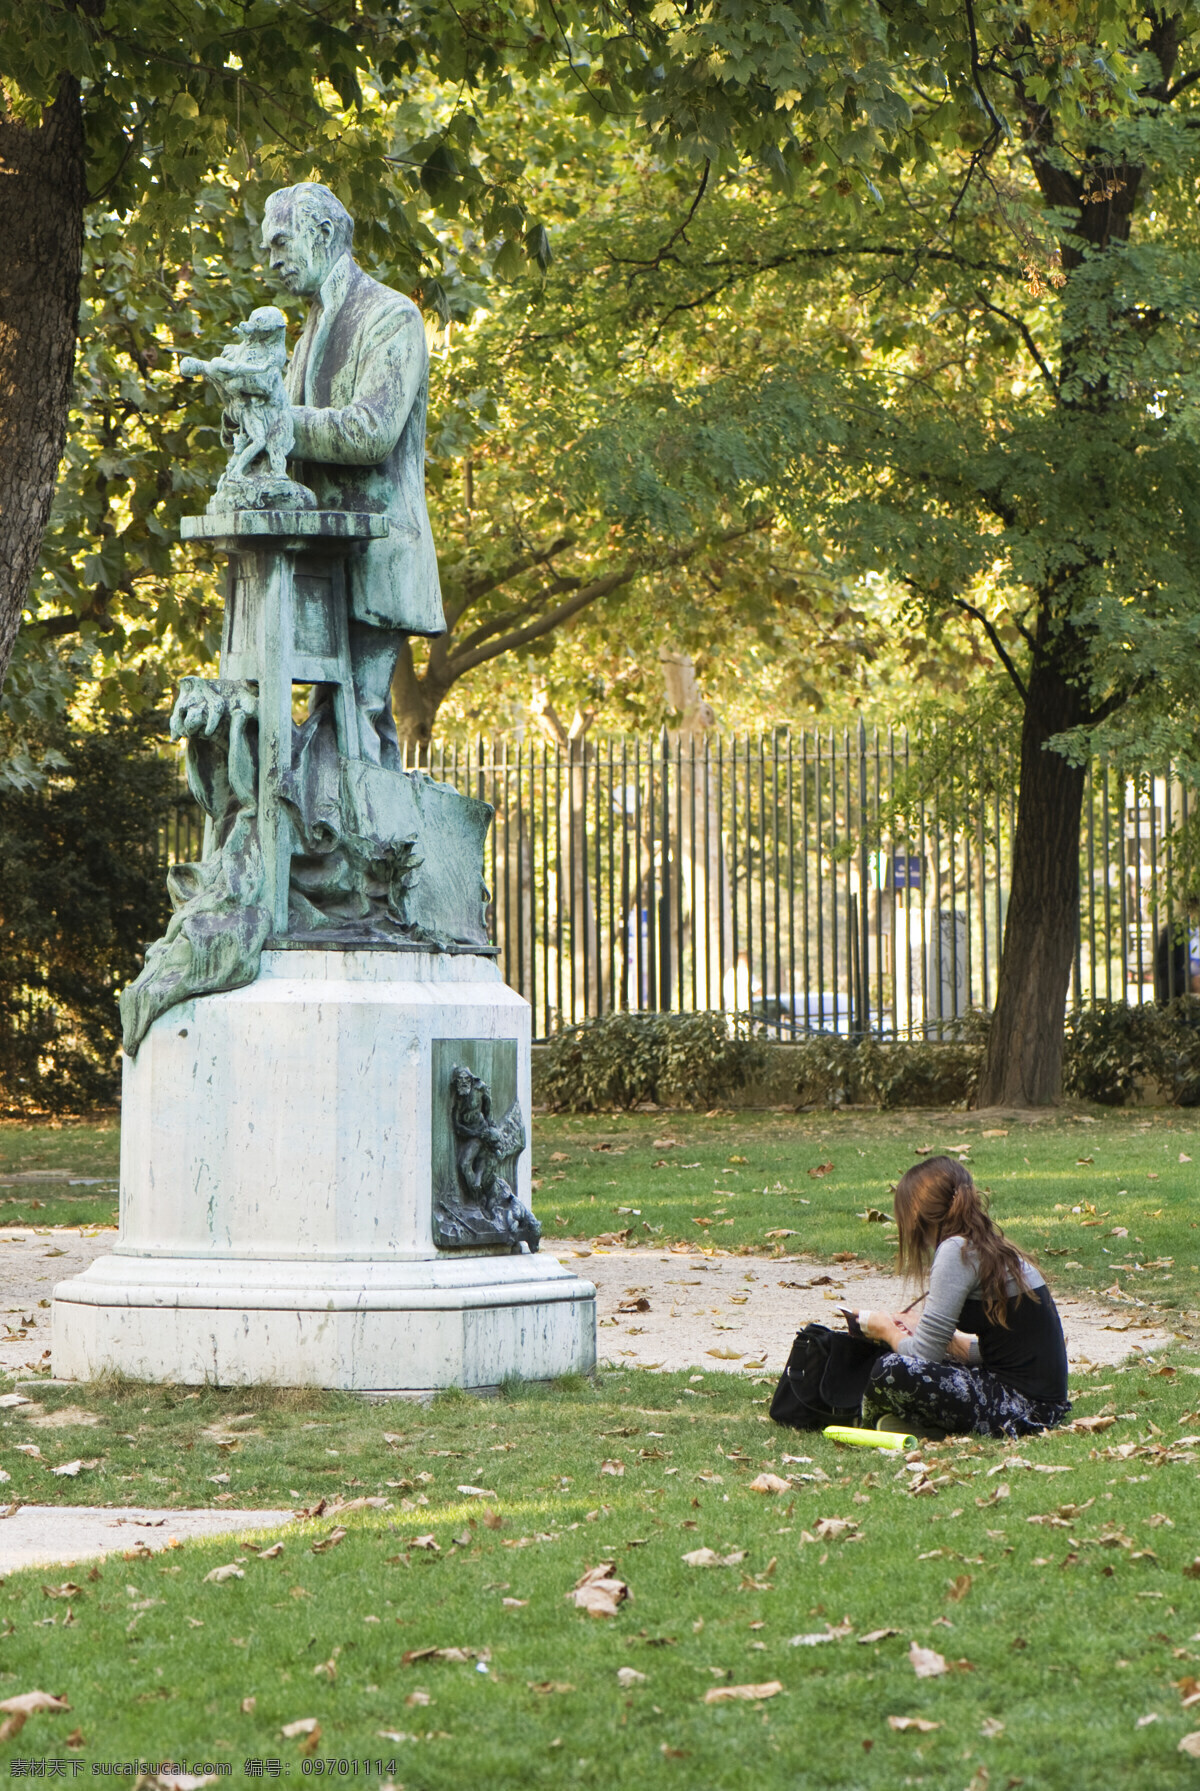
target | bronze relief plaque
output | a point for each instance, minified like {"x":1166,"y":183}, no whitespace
{"x":478,"y":1134}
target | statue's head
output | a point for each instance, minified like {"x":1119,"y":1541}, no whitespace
{"x":306,"y":230}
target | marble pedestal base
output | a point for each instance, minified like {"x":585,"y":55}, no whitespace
{"x":276,"y":1195}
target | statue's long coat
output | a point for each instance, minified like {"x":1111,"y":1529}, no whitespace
{"x":359,"y":379}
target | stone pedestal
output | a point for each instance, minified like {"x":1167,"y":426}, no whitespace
{"x":278,"y":1154}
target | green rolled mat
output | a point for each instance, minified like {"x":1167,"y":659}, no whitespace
{"x":869,"y":1439}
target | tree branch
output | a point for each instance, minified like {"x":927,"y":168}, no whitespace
{"x":641,"y":267}
{"x":497,"y":624}
{"x":1022,"y":328}
{"x":458,"y":663}
{"x":479,"y":586}
{"x":1001,"y":650}
{"x":1178,"y":87}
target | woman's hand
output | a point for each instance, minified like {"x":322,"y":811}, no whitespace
{"x":959,"y":1347}
{"x":885,"y":1327}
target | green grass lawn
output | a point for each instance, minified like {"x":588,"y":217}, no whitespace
{"x":67,"y":1173}
{"x":1060,"y":1634}
{"x":1073,"y":1629}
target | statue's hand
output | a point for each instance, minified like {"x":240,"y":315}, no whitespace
{"x":189,"y":364}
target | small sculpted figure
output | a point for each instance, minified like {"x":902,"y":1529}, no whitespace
{"x":248,"y":376}
{"x":481,"y":1146}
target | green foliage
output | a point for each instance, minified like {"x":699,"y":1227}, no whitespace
{"x":1115,"y":1053}
{"x":621,"y":1060}
{"x":832,"y":1071}
{"x":81,"y":891}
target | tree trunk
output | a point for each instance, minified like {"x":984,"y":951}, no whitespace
{"x":1025,"y":1045}
{"x":42,"y":195}
{"x":415,"y":703}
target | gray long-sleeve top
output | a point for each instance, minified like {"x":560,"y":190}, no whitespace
{"x":953,"y":1280}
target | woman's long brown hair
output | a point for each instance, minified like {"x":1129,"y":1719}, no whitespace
{"x":936,"y":1200}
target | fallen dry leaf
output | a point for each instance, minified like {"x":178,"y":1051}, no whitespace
{"x":548,"y":1687}
{"x":1090,"y":1425}
{"x":769,"y":1483}
{"x":920,"y":1723}
{"x":68,"y":1589}
{"x":878,"y":1635}
{"x":598,"y":1592}
{"x":249,"y":1705}
{"x":927,"y":1663}
{"x":460,"y":1656}
{"x":820,"y":1169}
{"x":18,"y":1710}
{"x":746,"y":1694}
{"x":336,"y":1535}
{"x":613,"y":1467}
{"x":707,"y":1557}
{"x":829,"y":1529}
{"x":958,"y":1588}
{"x":514,"y":1604}
{"x":218,"y":1576}
{"x":1191,"y":1744}
{"x":273,"y":1553}
{"x":831,"y":1634}
{"x":630,"y":1676}
{"x":725,"y":1355}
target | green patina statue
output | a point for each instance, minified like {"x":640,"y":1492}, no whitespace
{"x":316,"y":834}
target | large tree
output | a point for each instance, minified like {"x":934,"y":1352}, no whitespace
{"x":128,"y":109}
{"x":1013,"y":435}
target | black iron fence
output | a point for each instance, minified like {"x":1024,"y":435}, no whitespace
{"x":844,"y":881}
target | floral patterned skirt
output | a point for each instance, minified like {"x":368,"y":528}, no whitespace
{"x":955,"y":1398}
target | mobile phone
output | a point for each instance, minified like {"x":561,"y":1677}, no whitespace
{"x":851,"y":1318}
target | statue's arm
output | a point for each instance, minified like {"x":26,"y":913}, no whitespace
{"x":365,"y":431}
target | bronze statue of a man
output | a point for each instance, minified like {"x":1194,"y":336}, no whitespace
{"x":358,"y":381}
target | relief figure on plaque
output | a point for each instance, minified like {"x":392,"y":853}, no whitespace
{"x":487,"y":1209}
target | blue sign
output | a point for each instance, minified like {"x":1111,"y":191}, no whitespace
{"x":906,"y":871}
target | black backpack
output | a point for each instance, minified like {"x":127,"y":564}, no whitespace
{"x":825,"y":1379}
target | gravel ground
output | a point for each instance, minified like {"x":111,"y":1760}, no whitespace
{"x":705,"y":1311}
{"x":742,"y":1312}
{"x":32,"y":1260}
{"x":46,"y":1535}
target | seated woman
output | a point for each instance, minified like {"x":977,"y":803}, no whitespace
{"x":988,"y":1354}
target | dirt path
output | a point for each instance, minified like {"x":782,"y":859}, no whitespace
{"x":735,"y":1313}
